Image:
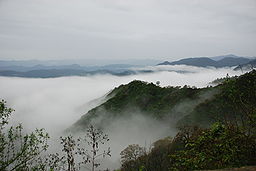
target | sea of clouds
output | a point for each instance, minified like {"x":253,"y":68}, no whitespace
{"x":56,"y":103}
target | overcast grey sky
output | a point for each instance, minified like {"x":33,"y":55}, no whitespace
{"x":126,"y":29}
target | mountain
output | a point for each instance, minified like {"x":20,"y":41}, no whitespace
{"x":52,"y":73}
{"x":24,"y":63}
{"x":217,"y":58}
{"x":236,"y":98}
{"x":176,"y":105}
{"x":82,"y":62}
{"x":49,"y":71}
{"x":22,"y":68}
{"x":248,"y":66}
{"x":164,"y":63}
{"x":138,"y":97}
{"x":224,"y":61}
{"x":200,"y":62}
{"x":229,"y":61}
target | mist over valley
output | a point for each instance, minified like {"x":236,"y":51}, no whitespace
{"x":117,"y":85}
{"x":58,"y":103}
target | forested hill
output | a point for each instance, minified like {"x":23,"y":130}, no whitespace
{"x":237,"y":98}
{"x":177,"y":105}
{"x":226,"y":61}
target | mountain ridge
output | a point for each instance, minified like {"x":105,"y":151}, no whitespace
{"x":225,"y":61}
{"x":164,"y":103}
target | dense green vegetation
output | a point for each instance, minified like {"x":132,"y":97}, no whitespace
{"x":230,"y":142}
{"x":199,"y":106}
{"x":236,"y":101}
{"x":221,"y":146}
{"x":147,"y":99}
{"x":193,"y":148}
{"x":217,"y":129}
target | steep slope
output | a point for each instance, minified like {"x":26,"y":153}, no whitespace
{"x":176,"y":105}
{"x":147,"y":99}
{"x":236,"y":100}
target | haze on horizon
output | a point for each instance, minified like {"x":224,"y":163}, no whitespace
{"x":121,"y":29}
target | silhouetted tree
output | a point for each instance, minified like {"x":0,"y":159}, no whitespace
{"x":95,"y":138}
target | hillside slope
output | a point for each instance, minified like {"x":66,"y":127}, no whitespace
{"x":176,"y":105}
{"x":248,"y":66}
{"x":237,"y":97}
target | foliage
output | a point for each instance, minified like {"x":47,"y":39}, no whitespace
{"x":194,"y":148}
{"x":69,"y":144}
{"x":159,"y":154}
{"x":236,"y":102}
{"x":25,"y":152}
{"x":156,"y":159}
{"x":140,"y":97}
{"x":94,"y":139}
{"x":132,"y":152}
{"x":229,"y":101}
{"x":222,"y":80}
{"x":19,"y":151}
{"x":231,"y":142}
{"x":221,"y":146}
{"x":130,"y":155}
{"x":77,"y":156}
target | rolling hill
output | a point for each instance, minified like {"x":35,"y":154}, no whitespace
{"x":225,"y":61}
{"x":176,"y":105}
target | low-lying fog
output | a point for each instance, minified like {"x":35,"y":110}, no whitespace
{"x":56,"y":103}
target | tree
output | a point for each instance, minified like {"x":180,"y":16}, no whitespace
{"x":19,"y":151}
{"x":94,"y":138}
{"x":65,"y":161}
{"x":132,"y":152}
{"x":68,"y":147}
{"x":80,"y":152}
{"x":158,"y":83}
{"x":221,"y":146}
{"x":159,"y":154}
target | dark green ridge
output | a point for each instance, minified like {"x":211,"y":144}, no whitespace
{"x":206,"y":105}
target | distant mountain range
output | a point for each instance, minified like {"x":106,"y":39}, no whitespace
{"x":248,"y":66}
{"x":50,"y":69}
{"x":45,"y":71}
{"x":218,"y":61}
{"x":82,"y":62}
{"x":6,"y":66}
{"x":52,"y":73}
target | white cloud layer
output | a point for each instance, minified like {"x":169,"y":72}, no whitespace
{"x":56,"y":103}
